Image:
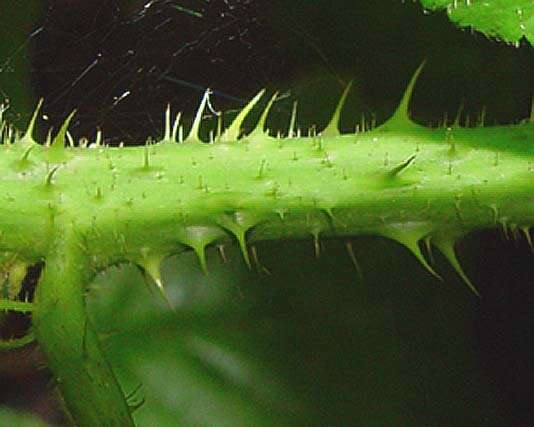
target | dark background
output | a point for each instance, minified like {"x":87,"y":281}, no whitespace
{"x":392,"y":348}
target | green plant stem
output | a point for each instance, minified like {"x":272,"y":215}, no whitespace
{"x":90,"y":391}
{"x":84,"y":209}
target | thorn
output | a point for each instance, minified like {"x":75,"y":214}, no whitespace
{"x":350,"y":250}
{"x":401,"y":118}
{"x":242,"y":240}
{"x":58,"y":145}
{"x":413,"y":246}
{"x":446,"y":247}
{"x":526,"y":232}
{"x":409,"y":237}
{"x":200,"y":251}
{"x":175,"y":126}
{"x":50,"y":174}
{"x":234,"y":131}
{"x":194,"y":136}
{"x":222,"y":253}
{"x":197,"y":237}
{"x":332,"y":129}
{"x":98,"y":139}
{"x":428,"y":246}
{"x":218,"y":134}
{"x":27,"y":139}
{"x":70,"y":140}
{"x":332,"y":218}
{"x":150,"y":263}
{"x":260,"y":127}
{"x":259,"y":267}
{"x":293,"y":120}
{"x":26,"y":153}
{"x":167,"y":134}
{"x":48,"y":141}
{"x":398,"y":169}
{"x":239,"y":224}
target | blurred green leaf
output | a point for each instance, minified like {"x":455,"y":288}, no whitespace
{"x":308,"y":343}
{"x":11,"y":418}
{"x":200,"y":363}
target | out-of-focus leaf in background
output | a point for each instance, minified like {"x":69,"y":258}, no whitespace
{"x":508,"y":20}
{"x":308,"y":343}
{"x":10,"y":418}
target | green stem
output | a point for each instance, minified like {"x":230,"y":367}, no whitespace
{"x":82,"y":210}
{"x":85,"y":379}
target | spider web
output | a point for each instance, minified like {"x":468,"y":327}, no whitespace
{"x":120,"y":62}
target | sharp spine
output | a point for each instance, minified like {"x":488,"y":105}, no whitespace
{"x":234,"y":130}
{"x":332,"y":129}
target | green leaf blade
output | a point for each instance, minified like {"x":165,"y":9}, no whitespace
{"x":505,"y":20}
